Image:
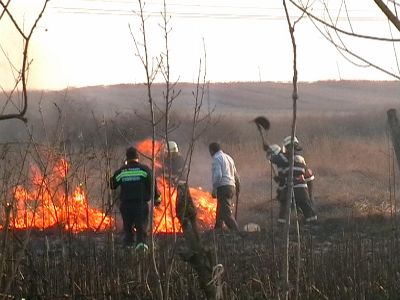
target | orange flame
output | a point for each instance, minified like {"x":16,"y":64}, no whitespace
{"x":145,"y":148}
{"x":165,"y":219}
{"x":47,"y":203}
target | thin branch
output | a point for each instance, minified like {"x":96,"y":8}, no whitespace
{"x":10,"y":15}
{"x":348,"y":51}
{"x":312,"y":16}
{"x":3,"y":12}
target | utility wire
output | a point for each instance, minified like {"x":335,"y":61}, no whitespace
{"x":202,"y":10}
{"x":199,"y":4}
{"x":186,"y":14}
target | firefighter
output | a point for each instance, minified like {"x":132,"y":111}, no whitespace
{"x":308,"y":174}
{"x":174,"y":163}
{"x":226,"y":183}
{"x":309,"y":179}
{"x":135,"y":181}
{"x":277,"y":157}
{"x":300,"y":188}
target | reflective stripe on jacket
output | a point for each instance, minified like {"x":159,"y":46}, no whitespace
{"x":281,"y":160}
{"x":135,"y":181}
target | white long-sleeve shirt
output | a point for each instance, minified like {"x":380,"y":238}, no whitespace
{"x":223,"y":170}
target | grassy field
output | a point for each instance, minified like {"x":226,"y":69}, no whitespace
{"x":351,"y":254}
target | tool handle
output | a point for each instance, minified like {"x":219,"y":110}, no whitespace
{"x":236,"y":206}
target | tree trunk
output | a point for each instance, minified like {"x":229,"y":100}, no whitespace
{"x":395,"y":132}
{"x":195,"y":254}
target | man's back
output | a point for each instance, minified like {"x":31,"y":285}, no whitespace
{"x":223,"y":170}
{"x":135,"y":181}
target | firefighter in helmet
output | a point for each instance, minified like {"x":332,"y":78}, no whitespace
{"x":300,"y":173}
{"x":174,"y":163}
{"x":308,"y":173}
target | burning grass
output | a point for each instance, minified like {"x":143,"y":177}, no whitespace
{"x":165,"y":219}
{"x":47,"y":202}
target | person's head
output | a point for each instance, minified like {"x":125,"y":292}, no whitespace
{"x":132,"y":154}
{"x":214,"y":148}
{"x":273,"y":150}
{"x":287,"y":143}
{"x":173,"y":147}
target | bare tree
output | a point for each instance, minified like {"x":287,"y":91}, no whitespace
{"x":169,"y":95}
{"x":290,"y":193}
{"x":151,"y":71}
{"x":22,"y":77}
{"x":16,"y":112}
{"x":203,"y":264}
{"x":198,"y":256}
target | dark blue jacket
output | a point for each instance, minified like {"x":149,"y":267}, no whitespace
{"x":135,"y":181}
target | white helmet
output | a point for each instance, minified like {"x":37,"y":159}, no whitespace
{"x":173,"y":147}
{"x":288,"y":140}
{"x":275,"y":149}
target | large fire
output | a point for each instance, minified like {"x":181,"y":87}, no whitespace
{"x":165,"y":219}
{"x":48,"y":203}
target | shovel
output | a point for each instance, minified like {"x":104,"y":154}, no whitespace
{"x":263,"y":124}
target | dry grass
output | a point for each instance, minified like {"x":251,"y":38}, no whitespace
{"x":349,"y":152}
{"x":349,"y":155}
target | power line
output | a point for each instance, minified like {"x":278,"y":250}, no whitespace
{"x":172,"y":14}
{"x":191,"y":15}
{"x":201,"y":4}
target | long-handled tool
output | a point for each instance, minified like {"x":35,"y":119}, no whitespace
{"x":236,"y":206}
{"x":264,"y":124}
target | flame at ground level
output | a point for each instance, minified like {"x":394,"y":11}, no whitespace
{"x":47,"y":203}
{"x":165,"y":219}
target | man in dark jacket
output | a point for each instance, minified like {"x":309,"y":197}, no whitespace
{"x":135,"y":181}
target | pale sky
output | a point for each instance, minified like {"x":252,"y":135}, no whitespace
{"x":88,"y":42}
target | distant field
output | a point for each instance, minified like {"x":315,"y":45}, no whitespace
{"x":244,"y":98}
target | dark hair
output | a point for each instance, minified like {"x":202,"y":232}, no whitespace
{"x":131,"y":153}
{"x":214,"y":147}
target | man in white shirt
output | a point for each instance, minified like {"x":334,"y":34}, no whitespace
{"x":226,"y":183}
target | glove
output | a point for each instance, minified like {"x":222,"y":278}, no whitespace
{"x":277,"y":179}
{"x":278,"y":194}
{"x":214,"y":194}
{"x":157,"y":201}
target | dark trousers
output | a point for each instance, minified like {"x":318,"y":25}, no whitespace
{"x":224,"y":208}
{"x":303,"y":202}
{"x":134,"y":216}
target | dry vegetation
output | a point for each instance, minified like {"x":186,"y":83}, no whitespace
{"x":352,"y":254}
